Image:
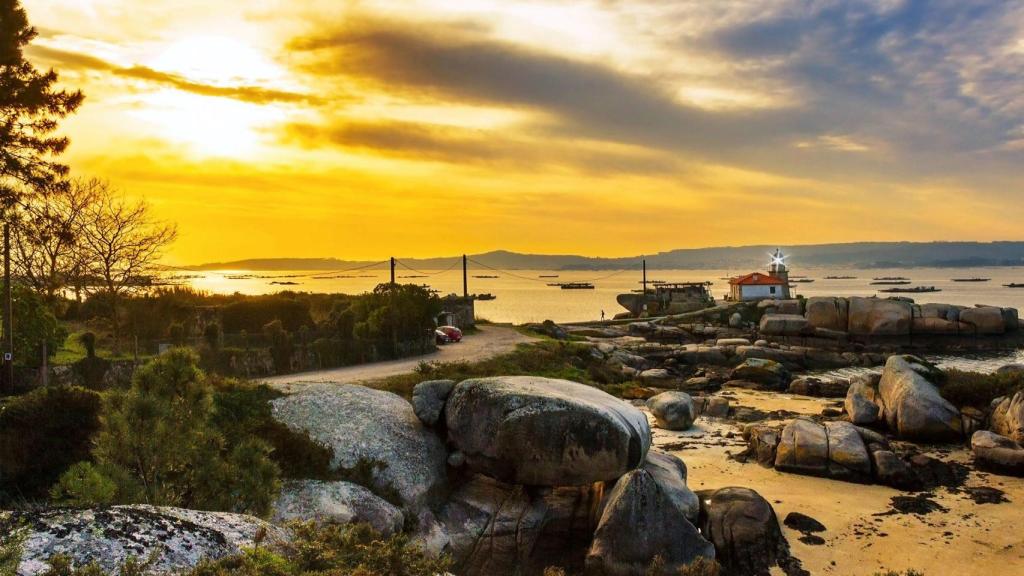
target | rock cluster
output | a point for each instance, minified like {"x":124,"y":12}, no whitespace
{"x":890,"y":317}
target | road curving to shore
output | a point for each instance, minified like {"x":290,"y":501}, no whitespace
{"x":487,"y":342}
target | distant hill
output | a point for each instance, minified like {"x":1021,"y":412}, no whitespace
{"x":852,"y":255}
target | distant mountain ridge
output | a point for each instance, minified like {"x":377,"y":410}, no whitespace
{"x":851,"y":255}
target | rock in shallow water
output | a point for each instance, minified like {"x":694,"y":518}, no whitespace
{"x":360,"y":423}
{"x":545,"y":432}
{"x":177,"y":539}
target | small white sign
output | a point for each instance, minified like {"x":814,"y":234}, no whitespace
{"x":8,"y":356}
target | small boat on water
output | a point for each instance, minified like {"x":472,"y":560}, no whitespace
{"x":892,"y":278}
{"x":1014,"y":285}
{"x":891,"y":283}
{"x":484,"y":296}
{"x":914,"y":290}
{"x":577,"y":286}
{"x":484,"y":276}
{"x":548,"y":276}
{"x":971,"y":279}
{"x":804,"y":280}
{"x":840,"y":277}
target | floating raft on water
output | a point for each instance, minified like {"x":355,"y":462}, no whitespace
{"x":891,"y":283}
{"x":914,"y":290}
{"x":971,"y":279}
{"x":576,"y":286}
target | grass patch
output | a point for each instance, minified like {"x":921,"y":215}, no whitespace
{"x":73,"y":350}
{"x":978,"y":390}
{"x":547,"y":358}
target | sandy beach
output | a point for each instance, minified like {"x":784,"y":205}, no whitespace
{"x":864,"y":534}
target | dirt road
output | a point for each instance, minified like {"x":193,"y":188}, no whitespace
{"x":489,"y":341}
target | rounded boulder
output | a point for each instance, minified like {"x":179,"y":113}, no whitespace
{"x":545,"y":432}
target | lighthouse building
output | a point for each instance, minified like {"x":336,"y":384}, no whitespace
{"x":760,"y":286}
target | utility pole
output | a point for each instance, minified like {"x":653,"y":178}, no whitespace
{"x":8,"y":347}
{"x":392,"y":270}
{"x":465,"y":281}
{"x":644,"y":264}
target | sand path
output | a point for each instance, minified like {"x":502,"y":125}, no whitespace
{"x":487,"y":342}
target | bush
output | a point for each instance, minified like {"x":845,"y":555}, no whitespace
{"x":36,"y":325}
{"x":42,"y":433}
{"x":978,"y":390}
{"x":159,"y":444}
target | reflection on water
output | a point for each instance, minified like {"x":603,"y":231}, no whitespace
{"x":524,"y":295}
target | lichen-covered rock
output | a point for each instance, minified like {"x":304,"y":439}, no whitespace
{"x":670,"y":473}
{"x":336,"y":503}
{"x":879,"y":317}
{"x":762,"y":443}
{"x":1008,"y":417}
{"x":997,"y":453}
{"x":428,"y":399}
{"x":912,"y":406}
{"x":176,"y":539}
{"x":672,"y":410}
{"x":545,"y":432}
{"x":640,"y":522}
{"x":819,"y":388}
{"x":891,"y":470}
{"x":358,"y":423}
{"x":768,"y":373}
{"x":744,"y":530}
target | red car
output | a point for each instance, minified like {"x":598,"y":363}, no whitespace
{"x":449,"y":333}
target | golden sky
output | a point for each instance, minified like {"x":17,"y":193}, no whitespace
{"x":365,"y":129}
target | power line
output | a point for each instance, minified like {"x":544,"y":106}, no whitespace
{"x":411,"y":269}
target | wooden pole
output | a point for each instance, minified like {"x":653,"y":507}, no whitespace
{"x":644,"y":264}
{"x":392,"y":269}
{"x":8,"y":359}
{"x":465,"y":281}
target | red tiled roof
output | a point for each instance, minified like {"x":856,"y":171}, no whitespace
{"x":756,"y":279}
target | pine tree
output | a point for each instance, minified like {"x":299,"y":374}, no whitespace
{"x":30,"y":108}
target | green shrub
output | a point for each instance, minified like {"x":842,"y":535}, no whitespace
{"x":42,"y":433}
{"x":159,"y":444}
{"x":978,"y":390}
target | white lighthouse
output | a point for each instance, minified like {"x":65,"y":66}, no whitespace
{"x":777,"y":269}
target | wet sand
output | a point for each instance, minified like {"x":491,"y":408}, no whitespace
{"x":861,"y":538}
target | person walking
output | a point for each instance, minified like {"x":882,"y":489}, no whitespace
{"x":602,"y":315}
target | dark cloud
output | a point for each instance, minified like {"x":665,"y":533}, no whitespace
{"x":465,"y":146}
{"x":586,"y":99}
{"x":84,"y":62}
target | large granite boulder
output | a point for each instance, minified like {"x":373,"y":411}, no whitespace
{"x":672,"y":410}
{"x":987,"y":320}
{"x":768,"y":373}
{"x":641,"y":522}
{"x":835,"y":449}
{"x":493,"y":526}
{"x":1008,"y":417}
{"x":498,"y":529}
{"x":861,"y":402}
{"x":997,"y":453}
{"x":762,"y":443}
{"x":912,"y":406}
{"x":670,"y":473}
{"x":336,"y":503}
{"x":783,"y":324}
{"x":744,"y":530}
{"x":428,"y":399}
{"x":891,"y":470}
{"x":360,"y":424}
{"x":174,"y":539}
{"x":828,"y":313}
{"x":819,"y":388}
{"x":847,"y":455}
{"x":879,"y":317}
{"x":803,"y":448}
{"x":545,"y":432}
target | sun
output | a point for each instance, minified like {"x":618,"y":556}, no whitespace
{"x":211,"y":125}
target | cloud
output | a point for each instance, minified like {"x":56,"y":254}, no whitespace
{"x":68,"y":60}
{"x":474,"y":147}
